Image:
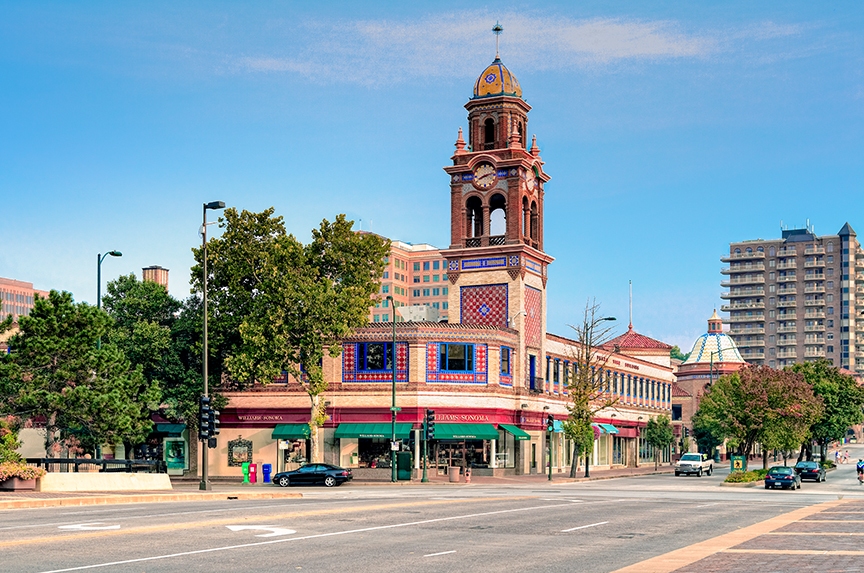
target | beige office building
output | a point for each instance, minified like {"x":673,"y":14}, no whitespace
{"x":797,"y":298}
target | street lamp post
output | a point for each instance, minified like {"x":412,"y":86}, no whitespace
{"x":99,"y":258}
{"x":711,"y":367}
{"x":587,"y":455}
{"x":205,"y":478}
{"x":393,"y":408}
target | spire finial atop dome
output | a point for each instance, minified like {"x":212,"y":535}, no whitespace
{"x":460,"y":144}
{"x":497,"y":29}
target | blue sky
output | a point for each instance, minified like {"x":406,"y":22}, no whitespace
{"x":669,"y":130}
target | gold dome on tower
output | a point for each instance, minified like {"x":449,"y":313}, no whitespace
{"x":497,"y":80}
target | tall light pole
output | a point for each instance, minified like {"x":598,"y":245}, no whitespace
{"x":587,"y":455}
{"x":205,"y":478}
{"x":711,"y":367}
{"x":393,"y":408}
{"x":99,"y":258}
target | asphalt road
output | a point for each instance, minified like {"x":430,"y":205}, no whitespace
{"x":558,"y":527}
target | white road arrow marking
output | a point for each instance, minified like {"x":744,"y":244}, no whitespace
{"x":275,"y":530}
{"x":95,"y":526}
{"x":584,"y":526}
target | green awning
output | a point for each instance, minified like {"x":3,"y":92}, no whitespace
{"x":608,"y":428}
{"x":290,"y":432}
{"x":403,"y":431}
{"x":518,"y":433}
{"x":173,"y":430}
{"x":465,"y":432}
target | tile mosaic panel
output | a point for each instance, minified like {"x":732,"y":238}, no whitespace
{"x":534,"y":318}
{"x":434,"y":375}
{"x":351,"y":374}
{"x":484,"y":304}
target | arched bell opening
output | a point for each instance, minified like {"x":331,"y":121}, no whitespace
{"x":489,"y":134}
{"x":497,"y":219}
{"x":474,"y":213}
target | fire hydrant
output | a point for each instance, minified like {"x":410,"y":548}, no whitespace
{"x":467,"y":475}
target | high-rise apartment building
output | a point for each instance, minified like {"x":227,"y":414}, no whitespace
{"x":796,"y":298}
{"x":414,"y":274}
{"x":17,"y":298}
{"x":155,"y":274}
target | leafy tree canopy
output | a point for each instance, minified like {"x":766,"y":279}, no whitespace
{"x":676,"y":354}
{"x":55,"y":374}
{"x":842,"y":398}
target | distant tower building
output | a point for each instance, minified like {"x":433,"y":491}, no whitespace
{"x":797,"y":298}
{"x":155,"y":274}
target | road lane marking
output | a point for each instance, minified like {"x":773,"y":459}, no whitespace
{"x":442,"y":553}
{"x":709,"y":504}
{"x":584,"y":526}
{"x":273,"y":529}
{"x":303,"y":538}
{"x":253,"y":518}
{"x":94,"y":526}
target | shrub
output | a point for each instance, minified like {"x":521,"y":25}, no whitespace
{"x":828,"y":464}
{"x":8,"y":441}
{"x":746,"y":477}
{"x":19,"y":470}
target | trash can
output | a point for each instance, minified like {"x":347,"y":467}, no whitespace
{"x":245,"y":468}
{"x":266,"y":470}
{"x":403,"y":466}
{"x":453,"y":472}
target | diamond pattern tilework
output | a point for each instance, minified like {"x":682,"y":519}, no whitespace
{"x":351,"y":374}
{"x":534,"y":318}
{"x":479,"y":376}
{"x":484,"y":304}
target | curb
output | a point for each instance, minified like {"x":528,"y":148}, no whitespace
{"x":142,"y":498}
{"x":758,"y":483}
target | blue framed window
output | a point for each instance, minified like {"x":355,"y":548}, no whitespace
{"x":456,"y":357}
{"x":505,"y":360}
{"x":375,"y":356}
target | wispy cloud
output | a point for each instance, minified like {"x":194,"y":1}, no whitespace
{"x":388,"y":51}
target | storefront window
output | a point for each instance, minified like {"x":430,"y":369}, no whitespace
{"x":373,"y":452}
{"x":459,"y":357}
{"x":375,"y":356}
{"x":619,"y":450}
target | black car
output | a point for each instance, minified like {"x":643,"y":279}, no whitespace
{"x":312,"y":474}
{"x":783,"y":477}
{"x":810,"y":470}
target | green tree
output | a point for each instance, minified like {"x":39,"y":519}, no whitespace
{"x":56,"y":373}
{"x":676,"y":354}
{"x":659,"y":435}
{"x":842,"y":399}
{"x":588,"y":381}
{"x":290,"y":303}
{"x":747,"y":406}
{"x":163,"y":336}
{"x":707,"y":433}
{"x":9,"y":441}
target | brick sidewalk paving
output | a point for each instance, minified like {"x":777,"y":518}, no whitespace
{"x":824,"y":538}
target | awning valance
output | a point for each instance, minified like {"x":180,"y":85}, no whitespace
{"x":403,"y":431}
{"x":518,"y":433}
{"x":465,"y":432}
{"x":290,"y":432}
{"x":608,"y":428}
{"x":172,"y":430}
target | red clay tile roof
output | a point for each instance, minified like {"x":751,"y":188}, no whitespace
{"x":632,"y":339}
{"x":679,"y":392}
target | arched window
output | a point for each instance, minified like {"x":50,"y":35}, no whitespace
{"x":771,"y":251}
{"x":761,"y":250}
{"x":737,"y":251}
{"x":749,"y":251}
{"x":534,"y":221}
{"x":526,"y":217}
{"x":521,"y":136}
{"x":489,"y":134}
{"x":497,"y":215}
{"x":474,"y":213}
{"x":830,"y":248}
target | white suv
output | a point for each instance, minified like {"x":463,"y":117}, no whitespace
{"x":692,"y":463}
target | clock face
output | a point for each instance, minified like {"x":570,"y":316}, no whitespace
{"x":530,"y":180}
{"x":484,"y":176}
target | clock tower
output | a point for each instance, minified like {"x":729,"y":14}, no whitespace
{"x":495,"y":262}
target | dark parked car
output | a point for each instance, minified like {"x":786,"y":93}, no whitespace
{"x":312,"y":474}
{"x":783,"y":477}
{"x":810,"y":470}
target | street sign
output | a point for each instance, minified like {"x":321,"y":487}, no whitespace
{"x":739,"y":463}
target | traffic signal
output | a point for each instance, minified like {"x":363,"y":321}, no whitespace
{"x":204,"y":418}
{"x":686,"y":432}
{"x":212,"y":427}
{"x":430,"y":424}
{"x":550,"y":423}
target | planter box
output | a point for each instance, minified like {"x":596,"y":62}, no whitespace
{"x":18,"y":484}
